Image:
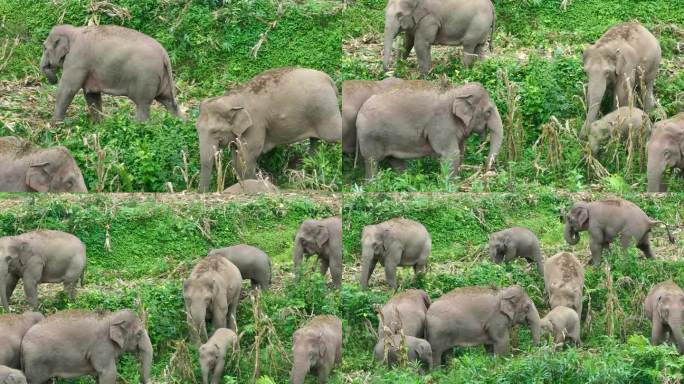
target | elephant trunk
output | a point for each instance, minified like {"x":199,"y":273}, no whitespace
{"x":207,"y":150}
{"x":206,"y":368}
{"x":146,"y":356}
{"x":4,"y":275}
{"x":198,"y":323}
{"x":534,"y":323}
{"x":654,"y":171}
{"x":676,"y":333}
{"x":367,"y":256}
{"x":300,"y":368}
{"x":597,"y":88}
{"x":391,"y":31}
{"x":571,"y":236}
{"x":47,"y":69}
{"x":297,"y":254}
{"x":496,"y":136}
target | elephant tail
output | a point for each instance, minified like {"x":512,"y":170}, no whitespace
{"x":491,"y":34}
{"x":167,"y":85}
{"x":670,"y":237}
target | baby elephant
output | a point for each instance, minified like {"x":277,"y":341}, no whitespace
{"x":515,"y":242}
{"x":212,"y":354}
{"x":316,"y":346}
{"x":564,"y":281}
{"x":12,"y":331}
{"x":563,"y":323}
{"x":416,"y":350}
{"x":322,"y":238}
{"x":252,"y":262}
{"x":664,"y":306}
{"x":622,"y":122}
{"x":251,"y":186}
{"x":11,"y":376}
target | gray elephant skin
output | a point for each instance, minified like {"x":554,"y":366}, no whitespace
{"x":664,"y":307}
{"x":507,"y":244}
{"x":472,"y":316}
{"x":394,"y":243}
{"x":11,"y":376}
{"x":280,"y":106}
{"x":212,"y":355}
{"x":422,"y":119}
{"x":622,"y":123}
{"x":27,"y":168}
{"x":665,"y":148}
{"x":607,"y":220}
{"x":625,"y":57}
{"x":211,"y":292}
{"x":316,"y":347}
{"x":465,"y":23}
{"x":251,"y":186}
{"x":253,"y":263}
{"x":417,"y":349}
{"x":404,"y":312}
{"x":12,"y":330}
{"x":108,"y":59}
{"x":322,"y":238}
{"x":563,"y":324}
{"x":564,"y":281}
{"x":42,"y":256}
{"x":85,"y":343}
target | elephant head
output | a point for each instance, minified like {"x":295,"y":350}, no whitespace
{"x":208,"y":357}
{"x":55,"y":49}
{"x":221,"y":121}
{"x":310,"y":240}
{"x":56,"y":171}
{"x":476,"y":110}
{"x":669,"y":311}
{"x":576,"y":220}
{"x":128,"y":333}
{"x":11,"y":251}
{"x":497,"y":247}
{"x":545,"y":327}
{"x":198,"y":295}
{"x":375,"y":240}
{"x":519,"y":309}
{"x":400,"y":15}
{"x":665,"y":148}
{"x":307,"y":349}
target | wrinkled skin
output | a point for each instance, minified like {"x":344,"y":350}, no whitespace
{"x":322,"y":238}
{"x":85,"y":343}
{"x":621,"y":122}
{"x":627,"y":55}
{"x":422,"y":119}
{"x":108,"y":59}
{"x":251,"y":186}
{"x":253,"y":263}
{"x":405,"y":312}
{"x":416,"y":350}
{"x":212,"y":355}
{"x":212,"y":291}
{"x":514,"y":242}
{"x":31,"y":169}
{"x":465,"y":23}
{"x":664,"y":307}
{"x":12,"y":330}
{"x":11,"y":376}
{"x":479,"y":316}
{"x":38,"y":257}
{"x":266,"y":112}
{"x":317,"y":348}
{"x":607,"y":220}
{"x":564,"y":281}
{"x":394,"y":243}
{"x":665,"y":149}
{"x":563,"y":323}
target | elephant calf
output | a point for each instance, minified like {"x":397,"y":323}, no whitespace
{"x":564,"y":281}
{"x":515,"y":242}
{"x":27,"y":168}
{"x":212,"y":354}
{"x":251,"y":186}
{"x":12,"y":331}
{"x":316,"y":346}
{"x":563,"y":323}
{"x":622,"y":122}
{"x":253,"y":263}
{"x":11,"y":376}
{"x":41,"y":256}
{"x":389,"y":351}
{"x":664,"y":307}
{"x":665,"y":148}
{"x":322,"y":238}
{"x":395,"y":242}
{"x":404,"y":312}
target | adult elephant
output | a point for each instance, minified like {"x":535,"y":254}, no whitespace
{"x":108,"y":59}
{"x":627,"y":55}
{"x":280,"y":106}
{"x":422,"y":119}
{"x":27,"y":168}
{"x":472,"y":316}
{"x":665,"y":148}
{"x":442,"y":22}
{"x":664,"y":307}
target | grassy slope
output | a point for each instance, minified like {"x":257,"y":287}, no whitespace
{"x":209,"y":45}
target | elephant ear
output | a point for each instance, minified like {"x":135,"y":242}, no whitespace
{"x":581,"y":214}
{"x":117,"y":333}
{"x":419,"y":13}
{"x":37,"y":177}
{"x":240,"y":120}
{"x":464,"y":107}
{"x":387,"y":238}
{"x":322,"y":235}
{"x":509,"y":300}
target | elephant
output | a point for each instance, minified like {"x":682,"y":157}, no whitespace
{"x":12,"y":331}
{"x":11,"y":376}
{"x":404,"y":312}
{"x":28,"y":168}
{"x":108,"y":59}
{"x":627,"y":55}
{"x":466,"y":23}
{"x":317,"y":346}
{"x":513,"y":242}
{"x":41,"y":256}
{"x":322,"y":238}
{"x":422,"y":119}
{"x":606,"y":220}
{"x":211,"y":291}
{"x":212,"y":354}
{"x":395,"y":242}
{"x":664,"y":307}
{"x":277,"y":107}
{"x":85,"y":343}
{"x":472,"y":316}
{"x":563,"y":323}
{"x":251,"y":186}
{"x":564,"y":281}
{"x":417,"y":349}
{"x":253,"y":263}
{"x":665,"y":148}
{"x":622,"y":122}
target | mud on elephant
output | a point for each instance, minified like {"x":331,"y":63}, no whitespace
{"x":564,"y":281}
{"x":665,"y":148}
{"x":664,"y":307}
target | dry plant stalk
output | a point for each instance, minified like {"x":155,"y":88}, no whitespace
{"x":6,"y":51}
{"x":551,"y":146}
{"x":97,"y":7}
{"x":101,"y":168}
{"x":264,"y":332}
{"x":515,"y":137}
{"x":264,"y":35}
{"x":181,"y":367}
{"x":188,"y":179}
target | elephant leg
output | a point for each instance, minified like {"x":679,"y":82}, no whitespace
{"x":657,"y":333}
{"x":371,"y":167}
{"x":501,"y":345}
{"x":69,"y":85}
{"x":314,"y":143}
{"x":94,"y":101}
{"x":142,"y":110}
{"x":645,"y":246}
{"x":324,"y":265}
{"x":489,"y":348}
{"x":409,"y":39}
{"x":437,"y":352}
{"x":596,"y":246}
{"x":219,"y":369}
{"x":398,"y":165}
{"x":422,"y":41}
{"x":106,"y":372}
{"x":336,"y":271}
{"x":31,"y":277}
{"x":11,"y":285}
{"x":70,"y":289}
{"x":323,"y":373}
